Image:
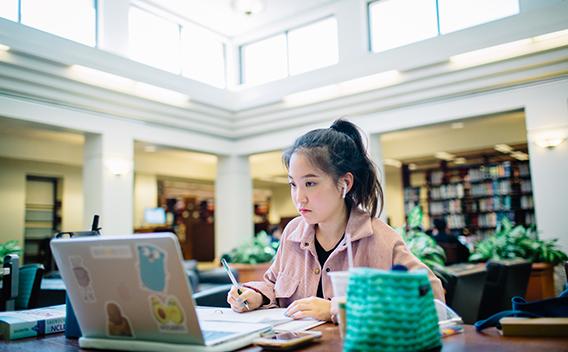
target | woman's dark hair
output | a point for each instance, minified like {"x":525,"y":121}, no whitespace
{"x":336,"y":151}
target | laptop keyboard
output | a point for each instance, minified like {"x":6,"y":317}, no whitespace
{"x":209,"y":335}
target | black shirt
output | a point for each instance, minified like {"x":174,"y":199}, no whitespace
{"x":322,"y":257}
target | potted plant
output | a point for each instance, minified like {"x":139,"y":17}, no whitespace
{"x":511,"y":242}
{"x":9,"y":247}
{"x":420,"y":244}
{"x":253,"y":258}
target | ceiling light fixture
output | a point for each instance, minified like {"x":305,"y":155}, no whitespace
{"x":549,"y":142}
{"x":520,"y":156}
{"x":4,"y":47}
{"x":460,"y":161}
{"x":392,"y":162}
{"x":248,"y":7}
{"x":503,"y":148}
{"x":150,"y":148}
{"x":445,"y":156}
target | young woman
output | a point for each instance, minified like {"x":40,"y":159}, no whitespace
{"x":335,"y":188}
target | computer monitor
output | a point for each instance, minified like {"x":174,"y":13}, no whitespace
{"x":155,"y":216}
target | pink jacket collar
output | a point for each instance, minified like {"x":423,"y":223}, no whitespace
{"x":358,"y":226}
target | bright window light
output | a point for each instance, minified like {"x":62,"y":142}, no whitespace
{"x":313,"y":46}
{"x":459,"y":14}
{"x":154,"y":41}
{"x":203,"y":56}
{"x":395,"y":23}
{"x":9,"y":9}
{"x":71,"y":19}
{"x":265,"y":60}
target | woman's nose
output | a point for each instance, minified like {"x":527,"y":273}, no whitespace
{"x":300,"y":197}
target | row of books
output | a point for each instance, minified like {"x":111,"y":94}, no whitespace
{"x":447,"y":191}
{"x":490,"y":172}
{"x":502,"y":187}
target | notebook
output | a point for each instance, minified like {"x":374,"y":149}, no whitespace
{"x":132,"y":293}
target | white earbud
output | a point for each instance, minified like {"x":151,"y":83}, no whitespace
{"x":344,"y":190}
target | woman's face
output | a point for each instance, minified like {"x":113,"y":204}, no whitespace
{"x":315,"y":194}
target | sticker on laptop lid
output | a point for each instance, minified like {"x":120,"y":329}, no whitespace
{"x":117,"y":324}
{"x":151,"y":266}
{"x":167,"y":313}
{"x":83,"y":279}
{"x":114,"y":252}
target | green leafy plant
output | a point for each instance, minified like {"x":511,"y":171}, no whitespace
{"x":511,"y":241}
{"x":420,"y":244}
{"x":260,"y":249}
{"x":10,"y":247}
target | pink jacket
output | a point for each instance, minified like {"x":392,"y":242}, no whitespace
{"x":296,"y":271}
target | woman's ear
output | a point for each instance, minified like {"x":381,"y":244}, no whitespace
{"x":346,"y":182}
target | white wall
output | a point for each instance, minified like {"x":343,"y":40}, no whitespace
{"x":13,"y":192}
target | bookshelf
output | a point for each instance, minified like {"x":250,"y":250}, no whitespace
{"x":474,"y":197}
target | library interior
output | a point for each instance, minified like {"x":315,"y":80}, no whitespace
{"x":143,"y":117}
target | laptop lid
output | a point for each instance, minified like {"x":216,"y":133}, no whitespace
{"x":134,"y":287}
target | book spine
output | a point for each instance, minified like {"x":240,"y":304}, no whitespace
{"x":36,"y":328}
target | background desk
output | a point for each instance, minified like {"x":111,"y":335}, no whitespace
{"x":468,"y":341}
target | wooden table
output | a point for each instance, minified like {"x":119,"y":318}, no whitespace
{"x":468,"y":341}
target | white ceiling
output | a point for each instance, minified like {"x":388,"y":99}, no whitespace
{"x":218,"y":16}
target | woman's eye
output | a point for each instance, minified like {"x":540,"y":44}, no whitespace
{"x":310,"y":184}
{"x":292,"y":185}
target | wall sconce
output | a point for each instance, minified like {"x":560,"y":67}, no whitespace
{"x":118,"y":167}
{"x":549,"y":142}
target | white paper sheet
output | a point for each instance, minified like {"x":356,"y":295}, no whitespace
{"x":273,"y":316}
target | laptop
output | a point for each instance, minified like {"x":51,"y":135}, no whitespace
{"x":132,"y":293}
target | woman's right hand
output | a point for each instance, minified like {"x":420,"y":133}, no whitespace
{"x":253,"y":299}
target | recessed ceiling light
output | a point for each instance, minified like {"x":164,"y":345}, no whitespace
{"x":412,"y":166}
{"x":248,"y":7}
{"x":460,"y":160}
{"x":503,"y":148}
{"x":150,"y":148}
{"x":4,"y":47}
{"x":393,"y":162}
{"x":445,"y":156}
{"x":520,"y":156}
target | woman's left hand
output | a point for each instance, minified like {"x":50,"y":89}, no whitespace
{"x":311,"y":307}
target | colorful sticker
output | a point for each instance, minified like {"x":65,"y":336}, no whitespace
{"x":168,"y":313}
{"x":117,"y":324}
{"x":83,"y":279}
{"x":151,"y":263}
{"x":114,"y":252}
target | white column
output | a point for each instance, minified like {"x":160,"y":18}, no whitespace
{"x":352,"y":30}
{"x":233,"y":203}
{"x":108,"y":181}
{"x":547,"y":116}
{"x":376,"y":153}
{"x":113,"y":26}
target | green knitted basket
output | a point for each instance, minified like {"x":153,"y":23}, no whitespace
{"x":390,"y":311}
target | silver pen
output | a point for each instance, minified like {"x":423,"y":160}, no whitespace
{"x":233,"y":280}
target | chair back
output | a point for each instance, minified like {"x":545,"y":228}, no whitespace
{"x":464,"y":288}
{"x":505,"y":280}
{"x":29,"y":286}
{"x":10,"y":275}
